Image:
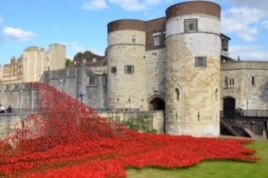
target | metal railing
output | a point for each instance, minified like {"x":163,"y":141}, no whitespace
{"x":238,"y":113}
{"x":254,"y":113}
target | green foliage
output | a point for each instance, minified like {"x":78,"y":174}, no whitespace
{"x":68,"y":63}
{"x":212,"y":169}
{"x":143,"y":123}
{"x":88,"y":55}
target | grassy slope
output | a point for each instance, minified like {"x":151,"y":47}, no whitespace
{"x":214,"y":169}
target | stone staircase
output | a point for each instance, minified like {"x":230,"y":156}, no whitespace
{"x":233,"y":128}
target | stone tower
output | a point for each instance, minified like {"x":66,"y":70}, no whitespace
{"x":57,"y":56}
{"x":126,"y":65}
{"x":33,"y":63}
{"x":193,"y":68}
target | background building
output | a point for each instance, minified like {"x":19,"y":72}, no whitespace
{"x":32,"y":63}
{"x":244,"y":86}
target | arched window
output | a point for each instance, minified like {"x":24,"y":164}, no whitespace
{"x":177,"y":94}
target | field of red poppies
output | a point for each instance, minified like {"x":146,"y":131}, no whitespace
{"x":69,"y":139}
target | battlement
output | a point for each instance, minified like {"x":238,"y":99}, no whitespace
{"x":56,"y":44}
{"x":34,"y":48}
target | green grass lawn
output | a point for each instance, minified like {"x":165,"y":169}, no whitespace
{"x":214,"y":169}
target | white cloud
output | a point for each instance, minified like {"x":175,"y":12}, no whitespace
{"x":74,"y":48}
{"x":243,"y":21}
{"x":11,"y":33}
{"x":95,"y":4}
{"x":128,"y":5}
{"x":249,"y":52}
{"x":260,"y":4}
{"x":136,"y":5}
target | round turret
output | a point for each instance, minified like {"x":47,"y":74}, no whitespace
{"x":126,"y":65}
{"x":193,"y":68}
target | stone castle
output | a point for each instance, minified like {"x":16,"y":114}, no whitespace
{"x":178,"y":63}
{"x":32,"y":63}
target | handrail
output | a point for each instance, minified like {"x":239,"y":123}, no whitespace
{"x":238,"y":113}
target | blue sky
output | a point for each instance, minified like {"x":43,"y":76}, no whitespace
{"x":82,"y":24}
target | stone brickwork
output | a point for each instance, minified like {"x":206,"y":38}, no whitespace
{"x":82,"y":83}
{"x":1,"y":73}
{"x":32,"y":63}
{"x":10,"y":122}
{"x":130,"y":24}
{"x":167,"y":70}
{"x":157,"y":117}
{"x":164,"y":75}
{"x":152,"y":27}
{"x":195,"y":7}
{"x":196,"y":111}
{"x":19,"y":96}
{"x":250,"y":88}
{"x":126,"y":89}
{"x":56,"y":56}
{"x":155,"y":77}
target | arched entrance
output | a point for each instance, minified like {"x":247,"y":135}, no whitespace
{"x":229,"y":107}
{"x":156,"y":104}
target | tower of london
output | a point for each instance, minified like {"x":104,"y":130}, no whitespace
{"x":171,"y":63}
{"x":177,"y":65}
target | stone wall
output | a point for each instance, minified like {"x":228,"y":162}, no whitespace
{"x":192,"y":93}
{"x":152,"y":27}
{"x":18,"y":96}
{"x":195,"y":7}
{"x":34,"y":61}
{"x":82,"y":83}
{"x":247,"y":93}
{"x":157,"y":117}
{"x":126,"y":90}
{"x":8,"y":122}
{"x":57,"y":56}
{"x":155,"y":62}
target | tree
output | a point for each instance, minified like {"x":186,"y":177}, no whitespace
{"x":68,"y":63}
{"x":88,"y":55}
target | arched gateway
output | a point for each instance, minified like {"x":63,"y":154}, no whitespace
{"x":156,"y":103}
{"x":229,"y":107}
